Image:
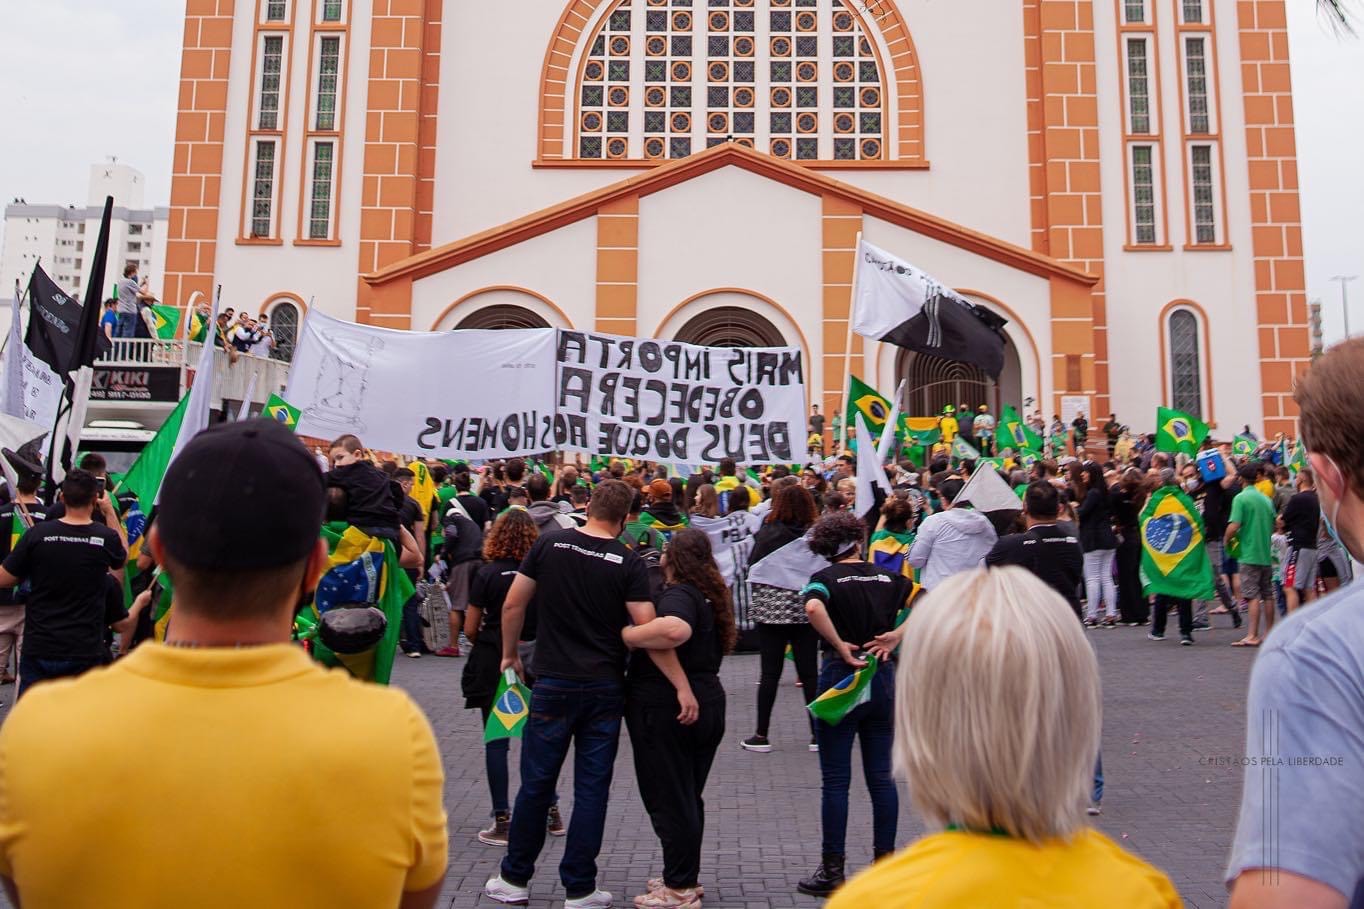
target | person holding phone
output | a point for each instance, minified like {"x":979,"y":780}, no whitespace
{"x":95,"y":464}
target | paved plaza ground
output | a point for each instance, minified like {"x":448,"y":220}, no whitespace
{"x":1167,"y":710}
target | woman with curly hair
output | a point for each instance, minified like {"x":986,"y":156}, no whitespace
{"x":503,"y":549}
{"x":674,"y":752}
{"x":779,"y":612}
{"x":854,"y":606}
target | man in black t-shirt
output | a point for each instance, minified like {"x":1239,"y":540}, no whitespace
{"x":588,"y":588}
{"x":67,"y":563}
{"x":1301,"y":520}
{"x":1217,"y":496}
{"x":476,"y":507}
{"x":1045,"y":549}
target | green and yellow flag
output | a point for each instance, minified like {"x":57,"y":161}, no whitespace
{"x":874,"y":407}
{"x":921,"y":432}
{"x":1178,"y":432}
{"x":16,"y":529}
{"x":143,"y":479}
{"x":1174,"y":560}
{"x":836,"y":703}
{"x":511,"y":708}
{"x":281,"y":411}
{"x":166,"y":321}
{"x":1243,"y":446}
{"x":423,"y":487}
{"x":198,"y":327}
{"x":962,"y":450}
{"x":1016,"y":434}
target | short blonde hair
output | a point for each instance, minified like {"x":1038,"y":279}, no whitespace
{"x":998,"y":706}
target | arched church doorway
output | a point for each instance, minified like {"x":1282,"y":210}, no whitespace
{"x":730,"y":326}
{"x":934,"y":382}
{"x":502,"y":316}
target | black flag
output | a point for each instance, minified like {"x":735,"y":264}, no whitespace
{"x":54,"y":318}
{"x":90,"y":341}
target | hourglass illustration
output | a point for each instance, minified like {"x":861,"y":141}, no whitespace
{"x":342,"y":380}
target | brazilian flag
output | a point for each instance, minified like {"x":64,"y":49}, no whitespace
{"x":1016,"y":434}
{"x":874,"y":407}
{"x":198,"y":328}
{"x":166,"y":320}
{"x":1178,"y":432}
{"x":511,"y":708}
{"x":1243,"y":446}
{"x":962,"y":450}
{"x":835,"y":704}
{"x":281,"y":411}
{"x":921,"y":432}
{"x":1174,"y":560}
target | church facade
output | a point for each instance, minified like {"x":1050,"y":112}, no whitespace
{"x":1116,"y":178}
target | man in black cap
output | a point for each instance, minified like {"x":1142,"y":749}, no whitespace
{"x":68,"y":564}
{"x":24,"y":503}
{"x":278,"y":782}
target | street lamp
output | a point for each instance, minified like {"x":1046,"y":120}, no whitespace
{"x":1344,"y":299}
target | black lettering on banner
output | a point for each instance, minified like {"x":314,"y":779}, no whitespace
{"x":606,"y":386}
{"x":660,"y":388}
{"x":433,"y":426}
{"x":606,"y":345}
{"x":751,"y":404}
{"x":626,"y":354}
{"x":757,"y":442}
{"x":697,"y":364}
{"x":779,"y":440}
{"x":629,"y":405}
{"x":575,"y":383}
{"x":487,"y":434}
{"x":548,"y":435}
{"x":672,"y":353}
{"x":640,"y":443}
{"x":791,"y":372}
{"x":738,"y":360}
{"x":650,"y":357}
{"x":572,"y":347}
{"x":767,"y":369}
{"x":511,"y":433}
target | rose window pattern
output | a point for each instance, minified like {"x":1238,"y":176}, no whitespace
{"x":799,"y":79}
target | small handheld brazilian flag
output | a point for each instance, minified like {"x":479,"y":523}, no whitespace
{"x":1243,"y":446}
{"x":167,"y":321}
{"x":836,"y":703}
{"x":511,"y":707}
{"x":1178,"y":432}
{"x":281,"y":411}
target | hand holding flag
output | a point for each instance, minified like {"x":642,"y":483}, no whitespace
{"x":835,"y":704}
{"x":511,"y":708}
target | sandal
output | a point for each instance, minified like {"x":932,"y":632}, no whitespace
{"x":1245,"y":642}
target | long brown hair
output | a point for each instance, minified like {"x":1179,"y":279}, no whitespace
{"x":511,"y":536}
{"x":707,"y":502}
{"x":792,"y":504}
{"x":690,"y":560}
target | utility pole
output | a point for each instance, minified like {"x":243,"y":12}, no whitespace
{"x":1345,"y":300}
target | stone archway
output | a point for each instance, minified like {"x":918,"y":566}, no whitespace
{"x":503,"y":316}
{"x":934,"y":382}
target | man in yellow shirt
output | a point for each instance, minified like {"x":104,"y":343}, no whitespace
{"x":948,"y":425}
{"x":224,"y":768}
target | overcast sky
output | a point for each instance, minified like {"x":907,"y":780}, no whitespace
{"x":84,"y":79}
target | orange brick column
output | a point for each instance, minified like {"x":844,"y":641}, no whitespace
{"x":388,"y":215}
{"x":196,"y":174}
{"x":618,"y":267}
{"x":1276,"y":223}
{"x":1063,"y":139}
{"x":842,"y":222}
{"x":426,"y":128}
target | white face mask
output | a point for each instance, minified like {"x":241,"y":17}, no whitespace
{"x":1330,"y":520}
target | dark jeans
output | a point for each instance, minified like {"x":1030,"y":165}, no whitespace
{"x":495,"y":763}
{"x":410,"y":638}
{"x":873,"y":723}
{"x":35,"y":669}
{"x":772,"y":641}
{"x":672,"y":762}
{"x":1132,"y":603}
{"x":1163,"y":604}
{"x":126,"y":327}
{"x":587,"y":716}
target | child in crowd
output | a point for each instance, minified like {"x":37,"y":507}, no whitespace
{"x":1278,"y":545}
{"x":373,"y":499}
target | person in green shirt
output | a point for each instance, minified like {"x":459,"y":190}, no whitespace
{"x":1249,"y":530}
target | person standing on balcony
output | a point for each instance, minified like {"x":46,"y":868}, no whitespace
{"x":108,"y":323}
{"x":130,"y":291}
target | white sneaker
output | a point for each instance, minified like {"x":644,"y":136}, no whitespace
{"x":499,"y":891}
{"x":598,"y":899}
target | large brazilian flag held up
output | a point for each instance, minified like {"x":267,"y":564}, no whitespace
{"x":1174,"y":560}
{"x":1017,"y":434}
{"x":281,"y":411}
{"x":1177,"y":432}
{"x":836,"y":703}
{"x":874,"y":407}
{"x":511,"y":707}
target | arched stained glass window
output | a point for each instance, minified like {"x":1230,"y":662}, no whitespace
{"x":800,"y":79}
{"x":1186,"y":368}
{"x":284,"y":318}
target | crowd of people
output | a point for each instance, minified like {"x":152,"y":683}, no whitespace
{"x":615,"y":591}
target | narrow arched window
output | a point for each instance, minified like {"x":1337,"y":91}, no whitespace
{"x":1186,"y":367}
{"x":284,"y":318}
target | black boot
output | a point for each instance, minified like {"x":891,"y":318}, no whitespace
{"x":827,"y":878}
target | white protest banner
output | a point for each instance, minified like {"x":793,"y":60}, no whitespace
{"x":680,"y":403}
{"x":448,"y":394}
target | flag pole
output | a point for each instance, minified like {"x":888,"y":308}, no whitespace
{"x":847,"y":344}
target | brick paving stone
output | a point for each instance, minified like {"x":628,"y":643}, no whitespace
{"x":1167,"y":710}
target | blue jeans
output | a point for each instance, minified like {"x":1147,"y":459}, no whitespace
{"x":874,"y":723}
{"x":1099,"y":778}
{"x":127,"y":325}
{"x":410,"y":638}
{"x":33,"y":669}
{"x":587,"y":716}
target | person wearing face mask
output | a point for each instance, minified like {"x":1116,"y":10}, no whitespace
{"x":1299,"y":844}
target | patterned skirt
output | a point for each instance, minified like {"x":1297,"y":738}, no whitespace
{"x":776,"y":606}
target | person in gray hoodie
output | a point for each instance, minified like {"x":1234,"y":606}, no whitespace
{"x":546,"y":514}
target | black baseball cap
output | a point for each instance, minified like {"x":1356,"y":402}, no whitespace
{"x":244,"y":495}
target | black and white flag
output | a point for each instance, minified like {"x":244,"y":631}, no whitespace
{"x":899,"y":304}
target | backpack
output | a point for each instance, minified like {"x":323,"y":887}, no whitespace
{"x":462,"y":537}
{"x":652,"y":557}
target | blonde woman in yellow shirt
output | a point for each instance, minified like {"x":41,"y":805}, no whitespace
{"x":996,"y":728}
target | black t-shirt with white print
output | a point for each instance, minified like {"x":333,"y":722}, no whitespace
{"x":67,"y":566}
{"x":861,"y":599}
{"x":700,"y":655}
{"x":582,"y":585}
